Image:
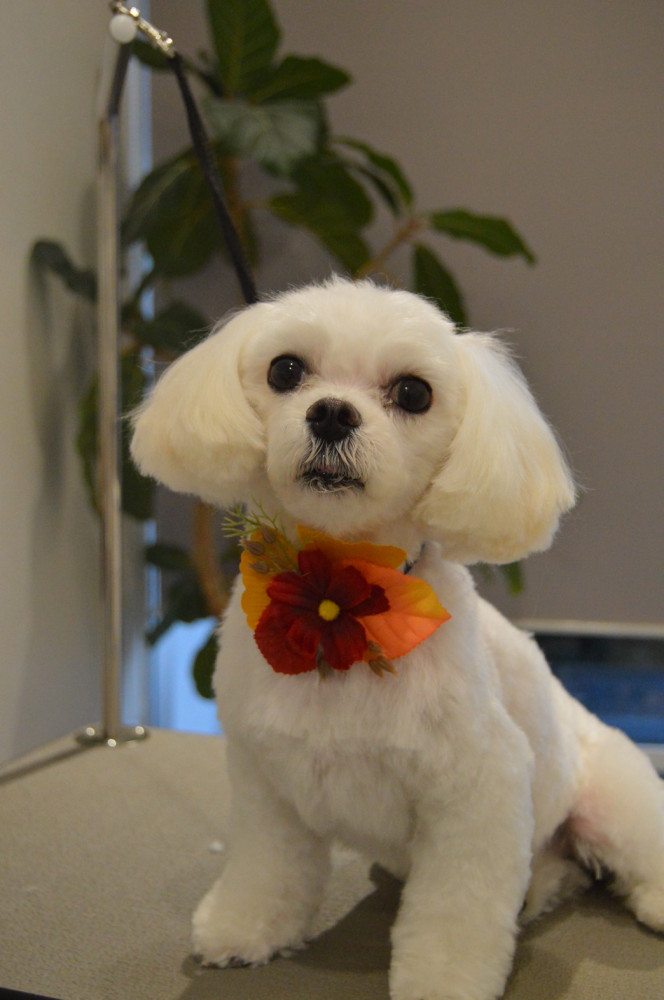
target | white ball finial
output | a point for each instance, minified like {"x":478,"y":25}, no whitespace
{"x":123,"y":28}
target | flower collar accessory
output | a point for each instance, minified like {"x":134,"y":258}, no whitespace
{"x":326,"y":604}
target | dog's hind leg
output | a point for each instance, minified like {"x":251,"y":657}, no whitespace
{"x":553,"y":880}
{"x":617,"y":823}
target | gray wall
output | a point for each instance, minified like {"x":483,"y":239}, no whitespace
{"x":49,"y":568}
{"x":550,"y":114}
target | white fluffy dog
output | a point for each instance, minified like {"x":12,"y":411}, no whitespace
{"x":472,"y":775}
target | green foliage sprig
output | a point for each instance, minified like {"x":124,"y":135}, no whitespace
{"x":262,"y":536}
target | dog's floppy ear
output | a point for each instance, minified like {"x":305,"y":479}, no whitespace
{"x":196,"y":432}
{"x":504,"y":482}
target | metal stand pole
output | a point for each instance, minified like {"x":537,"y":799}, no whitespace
{"x":126,"y":22}
{"x":111,"y":731}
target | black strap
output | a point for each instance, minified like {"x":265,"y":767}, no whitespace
{"x":208,"y":166}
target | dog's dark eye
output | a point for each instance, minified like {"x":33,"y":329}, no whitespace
{"x":285,"y":373}
{"x":411,"y":394}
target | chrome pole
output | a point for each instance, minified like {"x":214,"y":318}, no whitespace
{"x":111,"y":730}
{"x":125,"y":23}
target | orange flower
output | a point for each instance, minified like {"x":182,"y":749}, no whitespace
{"x":342,"y":602}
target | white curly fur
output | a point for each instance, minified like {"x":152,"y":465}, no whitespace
{"x":472,"y":775}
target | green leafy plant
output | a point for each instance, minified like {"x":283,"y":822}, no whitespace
{"x":267,"y":115}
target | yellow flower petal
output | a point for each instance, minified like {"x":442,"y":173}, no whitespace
{"x":254,"y":595}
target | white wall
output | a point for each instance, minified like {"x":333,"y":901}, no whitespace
{"x":49,"y":607}
{"x":548,"y":113}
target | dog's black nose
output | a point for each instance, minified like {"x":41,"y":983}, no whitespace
{"x":332,"y":419}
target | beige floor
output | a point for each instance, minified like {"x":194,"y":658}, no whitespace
{"x":104,"y":853}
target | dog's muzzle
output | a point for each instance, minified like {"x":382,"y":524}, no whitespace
{"x":328,"y":467}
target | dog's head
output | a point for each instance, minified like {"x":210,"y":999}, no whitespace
{"x":359,"y":408}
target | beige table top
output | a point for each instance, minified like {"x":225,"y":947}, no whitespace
{"x":104,"y":853}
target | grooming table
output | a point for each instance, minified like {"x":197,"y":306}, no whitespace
{"x":105,"y":852}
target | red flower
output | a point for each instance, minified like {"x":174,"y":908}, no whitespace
{"x":314,"y":613}
{"x":332,"y":603}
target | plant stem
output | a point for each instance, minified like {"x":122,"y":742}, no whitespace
{"x":403,"y":234}
{"x":204,"y":557}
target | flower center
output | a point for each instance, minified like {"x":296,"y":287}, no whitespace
{"x":328,"y":610}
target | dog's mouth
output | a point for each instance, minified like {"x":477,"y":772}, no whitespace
{"x":331,"y":476}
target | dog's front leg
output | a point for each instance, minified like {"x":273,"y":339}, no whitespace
{"x":271,"y":885}
{"x":455,"y":934}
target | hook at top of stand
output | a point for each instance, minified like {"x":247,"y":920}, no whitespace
{"x":128,"y":21}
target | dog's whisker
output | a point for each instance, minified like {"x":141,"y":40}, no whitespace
{"x":331,"y":468}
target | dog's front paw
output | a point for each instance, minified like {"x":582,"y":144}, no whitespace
{"x":424,"y":987}
{"x":417,"y":987}
{"x":230,"y":932}
{"x":424,"y":976}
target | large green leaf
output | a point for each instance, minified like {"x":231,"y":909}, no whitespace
{"x":150,"y":56}
{"x":245,"y":36}
{"x":332,"y":206}
{"x":384,"y":190}
{"x":176,"y":328}
{"x":432,"y":279}
{"x":86,"y":440}
{"x":145,"y":204}
{"x":172,"y":211}
{"x":155,"y":59}
{"x":137,"y":490}
{"x":53,"y":257}
{"x":277,"y":135}
{"x":513,"y":573}
{"x":204,"y":664}
{"x":300,"y":79}
{"x":168,"y":557}
{"x":494,"y":234}
{"x":382,"y":167}
{"x":184,"y":602}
